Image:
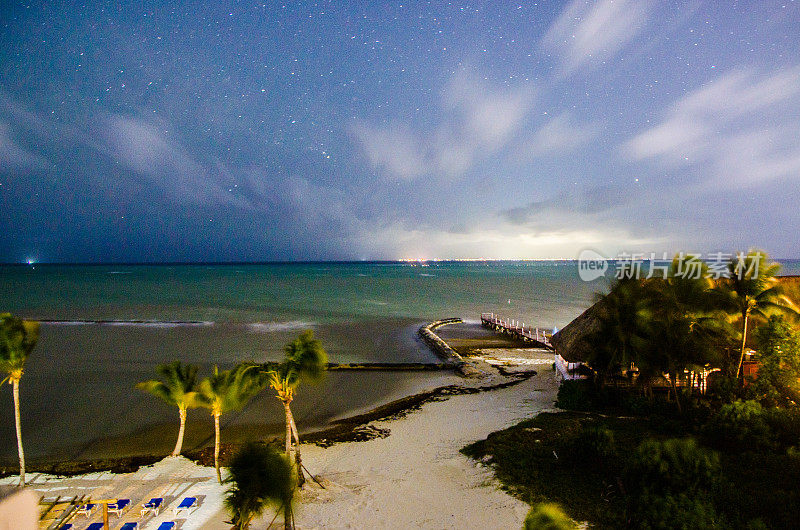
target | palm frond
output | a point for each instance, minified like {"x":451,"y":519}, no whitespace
{"x":229,"y":390}
{"x":177,"y":387}
{"x":17,"y":339}
{"x":259,"y":477}
{"x":158,"y":389}
{"x":305,"y":359}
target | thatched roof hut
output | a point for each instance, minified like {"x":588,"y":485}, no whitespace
{"x":570,"y":342}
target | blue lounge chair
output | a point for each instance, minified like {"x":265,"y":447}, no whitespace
{"x":129,"y":526}
{"x":166,"y":525}
{"x":67,"y":526}
{"x":186,"y":505}
{"x":153,"y":505}
{"x":86,"y":509}
{"x":95,"y":526}
{"x":117,"y":507}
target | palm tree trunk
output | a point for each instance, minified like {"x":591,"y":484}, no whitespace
{"x":745,"y":314}
{"x":179,"y":443}
{"x":301,"y":479}
{"x":288,"y":519}
{"x":15,"y":385}
{"x":672,"y":379}
{"x":288,"y":412}
{"x":216,"y":446}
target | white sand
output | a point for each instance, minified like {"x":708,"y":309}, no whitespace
{"x":414,"y":478}
{"x":172,"y":478}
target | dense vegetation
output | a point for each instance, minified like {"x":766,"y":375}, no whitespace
{"x":653,"y":470}
{"x":651,"y":442}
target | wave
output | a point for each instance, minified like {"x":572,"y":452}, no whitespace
{"x":133,"y":323}
{"x":376,"y":302}
{"x":270,"y":327}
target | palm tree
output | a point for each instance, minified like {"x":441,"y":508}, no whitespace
{"x":681,"y":329}
{"x":226,"y":391}
{"x":177,"y":388}
{"x":305,"y":360}
{"x":259,"y":476}
{"x":17,"y":339}
{"x":751,"y":289}
{"x":613,"y":343}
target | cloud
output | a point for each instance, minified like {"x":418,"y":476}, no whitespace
{"x":592,"y":200}
{"x":588,"y":33}
{"x":16,"y":158}
{"x":148,"y":151}
{"x":395,"y":150}
{"x":561,"y":134}
{"x":478,"y":121}
{"x":739,"y":130}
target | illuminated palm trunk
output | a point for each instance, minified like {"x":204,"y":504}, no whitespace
{"x":288,"y":413}
{"x":216,"y":445}
{"x":15,"y":386}
{"x":291,"y":433}
{"x":301,"y":479}
{"x":745,"y":314}
{"x":179,"y":443}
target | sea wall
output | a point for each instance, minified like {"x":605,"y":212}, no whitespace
{"x":442,"y":350}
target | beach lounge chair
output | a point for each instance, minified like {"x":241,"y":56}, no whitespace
{"x":67,"y":526}
{"x":86,"y":509}
{"x":153,"y":505}
{"x":129,"y":526}
{"x":186,"y":505}
{"x":95,"y":526}
{"x":117,"y":507}
{"x":166,"y":525}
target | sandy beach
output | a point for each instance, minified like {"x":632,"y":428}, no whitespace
{"x":414,"y":478}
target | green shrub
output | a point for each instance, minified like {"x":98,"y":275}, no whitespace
{"x":670,"y":483}
{"x":637,"y":404}
{"x":678,"y":511}
{"x":741,"y":425}
{"x":723,"y":388}
{"x":757,"y":524}
{"x":577,"y":394}
{"x":548,"y":516}
{"x":671,"y":467}
{"x":595,"y":445}
{"x":784,"y":426}
{"x":779,"y":357}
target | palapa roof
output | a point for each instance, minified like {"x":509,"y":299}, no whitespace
{"x":571,"y":341}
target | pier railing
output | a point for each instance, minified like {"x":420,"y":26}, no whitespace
{"x":517,"y":329}
{"x":568,"y":370}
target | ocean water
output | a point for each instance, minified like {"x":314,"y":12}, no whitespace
{"x":107,"y":327}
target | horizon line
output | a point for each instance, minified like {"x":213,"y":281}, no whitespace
{"x":300,"y":262}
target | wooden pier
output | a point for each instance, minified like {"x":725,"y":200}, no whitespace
{"x":517,"y":329}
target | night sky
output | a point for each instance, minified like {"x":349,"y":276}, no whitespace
{"x":245,"y":131}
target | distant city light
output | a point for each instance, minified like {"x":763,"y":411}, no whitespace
{"x":30,"y":261}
